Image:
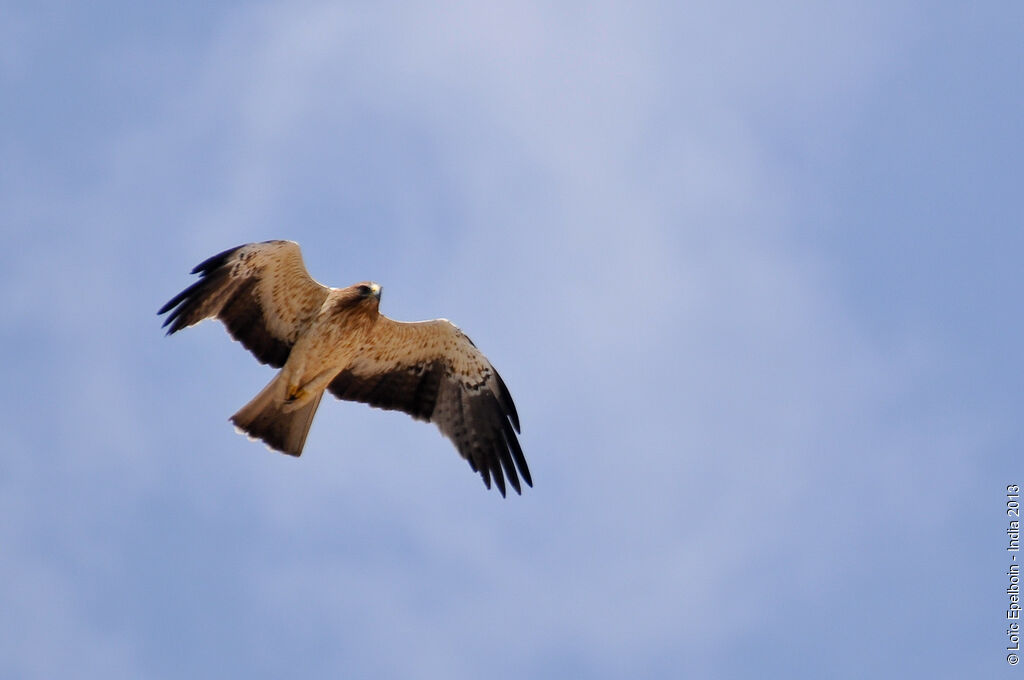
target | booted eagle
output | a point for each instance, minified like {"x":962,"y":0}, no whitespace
{"x":336,"y":339}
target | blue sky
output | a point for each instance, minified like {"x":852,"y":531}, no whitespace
{"x":751,"y":273}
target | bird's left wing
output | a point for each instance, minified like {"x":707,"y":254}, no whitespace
{"x":261,"y":291}
{"x":433,"y":372}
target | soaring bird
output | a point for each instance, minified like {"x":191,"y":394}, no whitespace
{"x":336,"y":339}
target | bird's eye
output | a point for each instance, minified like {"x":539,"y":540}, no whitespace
{"x":364,"y":290}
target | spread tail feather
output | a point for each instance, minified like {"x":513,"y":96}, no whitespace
{"x":265,"y":418}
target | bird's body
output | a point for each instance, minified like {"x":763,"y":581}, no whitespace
{"x":335,"y":339}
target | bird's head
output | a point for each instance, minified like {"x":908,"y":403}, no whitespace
{"x":368,"y":290}
{"x":365,"y":294}
{"x":362,"y":298}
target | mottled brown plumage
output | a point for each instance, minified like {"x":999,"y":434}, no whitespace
{"x":335,"y":339}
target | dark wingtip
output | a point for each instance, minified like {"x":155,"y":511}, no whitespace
{"x":517,"y":454}
{"x":505,"y":460}
{"x":175,"y":301}
{"x":211,"y":263}
{"x":177,"y":304}
{"x":496,"y":453}
{"x":516,"y":486}
{"x":505,"y":398}
{"x":485,"y":472}
{"x":499,"y":479}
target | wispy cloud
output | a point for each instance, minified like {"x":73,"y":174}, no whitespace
{"x":604,"y":197}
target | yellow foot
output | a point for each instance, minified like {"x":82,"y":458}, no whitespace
{"x":295,"y":393}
